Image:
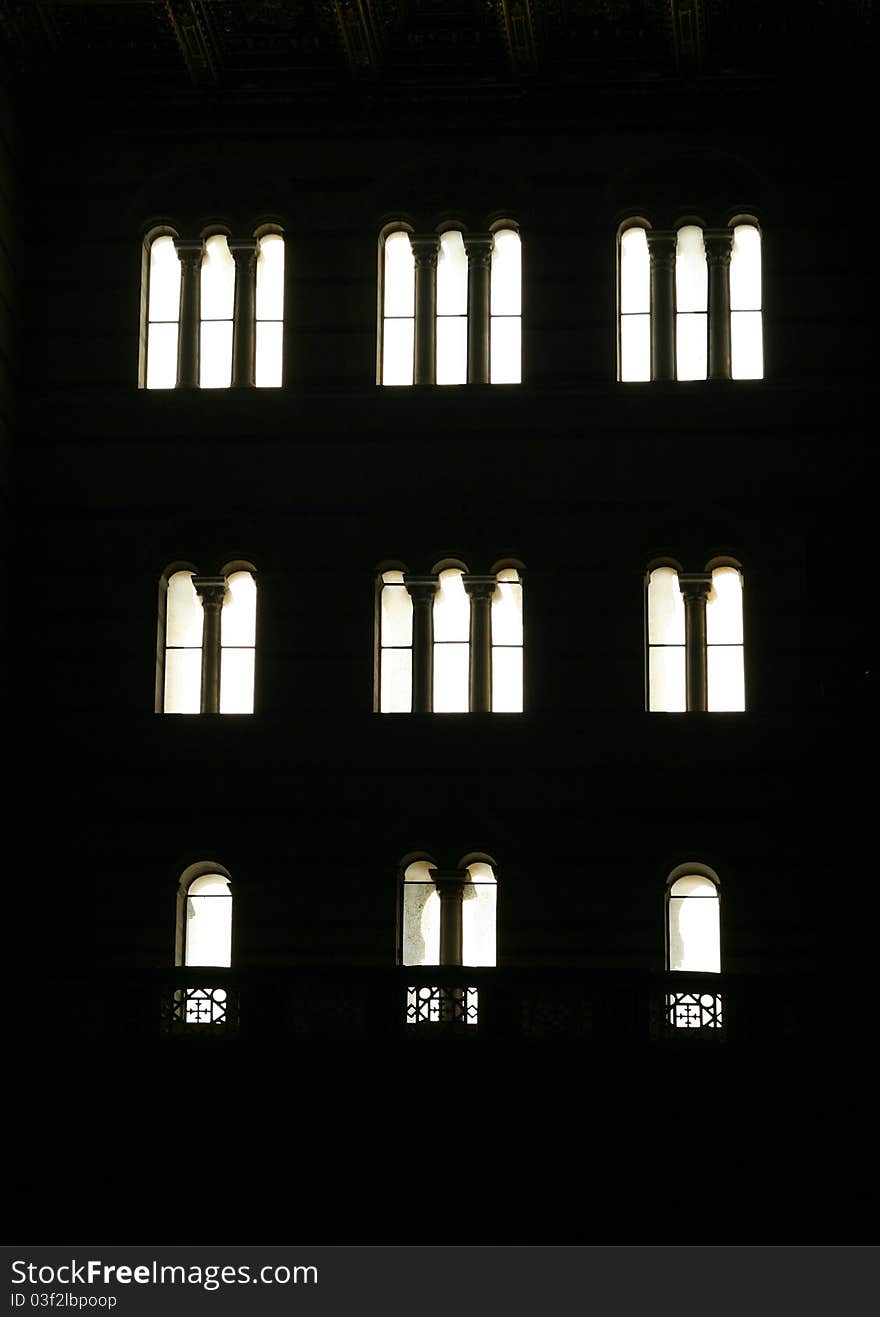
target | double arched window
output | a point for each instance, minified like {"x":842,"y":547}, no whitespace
{"x":694,"y":638}
{"x":450,"y":642}
{"x":689,"y":301}
{"x":207,"y":640}
{"x":450,"y":306}
{"x":214,"y":310}
{"x":448,"y":916}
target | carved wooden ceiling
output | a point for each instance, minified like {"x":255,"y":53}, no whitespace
{"x":428,"y":44}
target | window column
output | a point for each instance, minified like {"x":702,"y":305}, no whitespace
{"x":450,"y":887}
{"x":661,"y":246}
{"x":479,"y":256}
{"x":719,"y":244}
{"x":695,"y":587}
{"x":212,"y":592}
{"x":425,"y":251}
{"x":422,"y":590}
{"x":189,"y":250}
{"x":244,"y":253}
{"x":480,"y":590}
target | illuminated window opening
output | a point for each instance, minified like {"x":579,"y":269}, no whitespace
{"x":667,"y":689}
{"x":691,"y":305}
{"x":451,"y":644}
{"x":507,"y":643}
{"x":505,"y":318}
{"x":269,"y":350}
{"x":398,"y":309}
{"x":163,"y":314}
{"x":746,"y":313}
{"x":725,"y":652}
{"x":635,"y":305}
{"x":395,"y":644}
{"x":452,"y":309}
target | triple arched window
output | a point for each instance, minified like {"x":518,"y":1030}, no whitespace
{"x":449,"y":641}
{"x":694,"y":638}
{"x":690,"y":301}
{"x":207,"y":640}
{"x":450,"y":306}
{"x":214,"y":310}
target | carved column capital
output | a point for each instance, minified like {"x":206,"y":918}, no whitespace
{"x":694,"y":585}
{"x":479,"y":587}
{"x":718,"y":244}
{"x":211,"y":590}
{"x":661,"y":248}
{"x":189,"y":251}
{"x":478,"y":248}
{"x":422,"y":589}
{"x":425,"y":249}
{"x":243,"y":250}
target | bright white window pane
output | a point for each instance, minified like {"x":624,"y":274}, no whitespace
{"x":209,"y":921}
{"x":507,"y":624}
{"x":635,"y":348}
{"x":421,"y":916}
{"x":452,"y":275}
{"x":238,"y":618}
{"x":270,"y":278}
{"x":505,"y":350}
{"x":215,"y":351}
{"x":400,"y":278}
{"x":507,"y":680}
{"x":506,"y":291}
{"x":183,"y":681}
{"x":395,"y":695}
{"x":691,"y":346}
{"x":452,"y":609}
{"x":694,"y":926}
{"x":691,"y":274}
{"x":451,"y":678}
{"x":183,"y":615}
{"x":726,"y":678}
{"x":665,"y":608}
{"x":162,"y":356}
{"x":237,"y":681}
{"x":635,"y":272}
{"x":746,"y":345}
{"x":667,"y":680}
{"x":217,"y":280}
{"x":724,"y":619}
{"x":164,"y":280}
{"x":397,"y":610}
{"x":745,"y":269}
{"x":478,"y":914}
{"x":269,"y":354}
{"x":397,"y":352}
{"x":451,"y":350}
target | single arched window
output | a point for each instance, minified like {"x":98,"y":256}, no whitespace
{"x":725,"y":660}
{"x":182,"y":692}
{"x":398,"y":308}
{"x":217,"y":309}
{"x":452,"y":631}
{"x":505,"y":321}
{"x":395,"y":644}
{"x":269,"y":350}
{"x":746,"y":318}
{"x":693,"y":924}
{"x":635,"y":304}
{"x":666,"y":642}
{"x":691,"y":304}
{"x":163,"y":313}
{"x":207,"y":934}
{"x":452,"y":309}
{"x":507,"y":643}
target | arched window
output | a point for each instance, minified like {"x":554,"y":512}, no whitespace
{"x":635,"y":304}
{"x":183,"y":646}
{"x":269,"y":347}
{"x":666,"y":642}
{"x":725,"y":661}
{"x":395,"y":644}
{"x":693,"y":945}
{"x":163,"y":313}
{"x":203,"y":940}
{"x":209,"y":645}
{"x":746,"y":319}
{"x":507,"y":643}
{"x":452,"y":309}
{"x":505,"y":321}
{"x":691,"y":304}
{"x":695,"y":658}
{"x":207,"y":934}
{"x":425,"y":940}
{"x":398,"y":308}
{"x":217,"y":309}
{"x":452,"y":629}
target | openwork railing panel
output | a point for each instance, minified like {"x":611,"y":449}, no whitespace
{"x":207,"y":1010}
{"x":442,"y":1007}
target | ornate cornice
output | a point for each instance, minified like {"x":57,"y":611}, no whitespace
{"x":519,"y":21}
{"x":360,"y":25}
{"x":191,"y":23}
